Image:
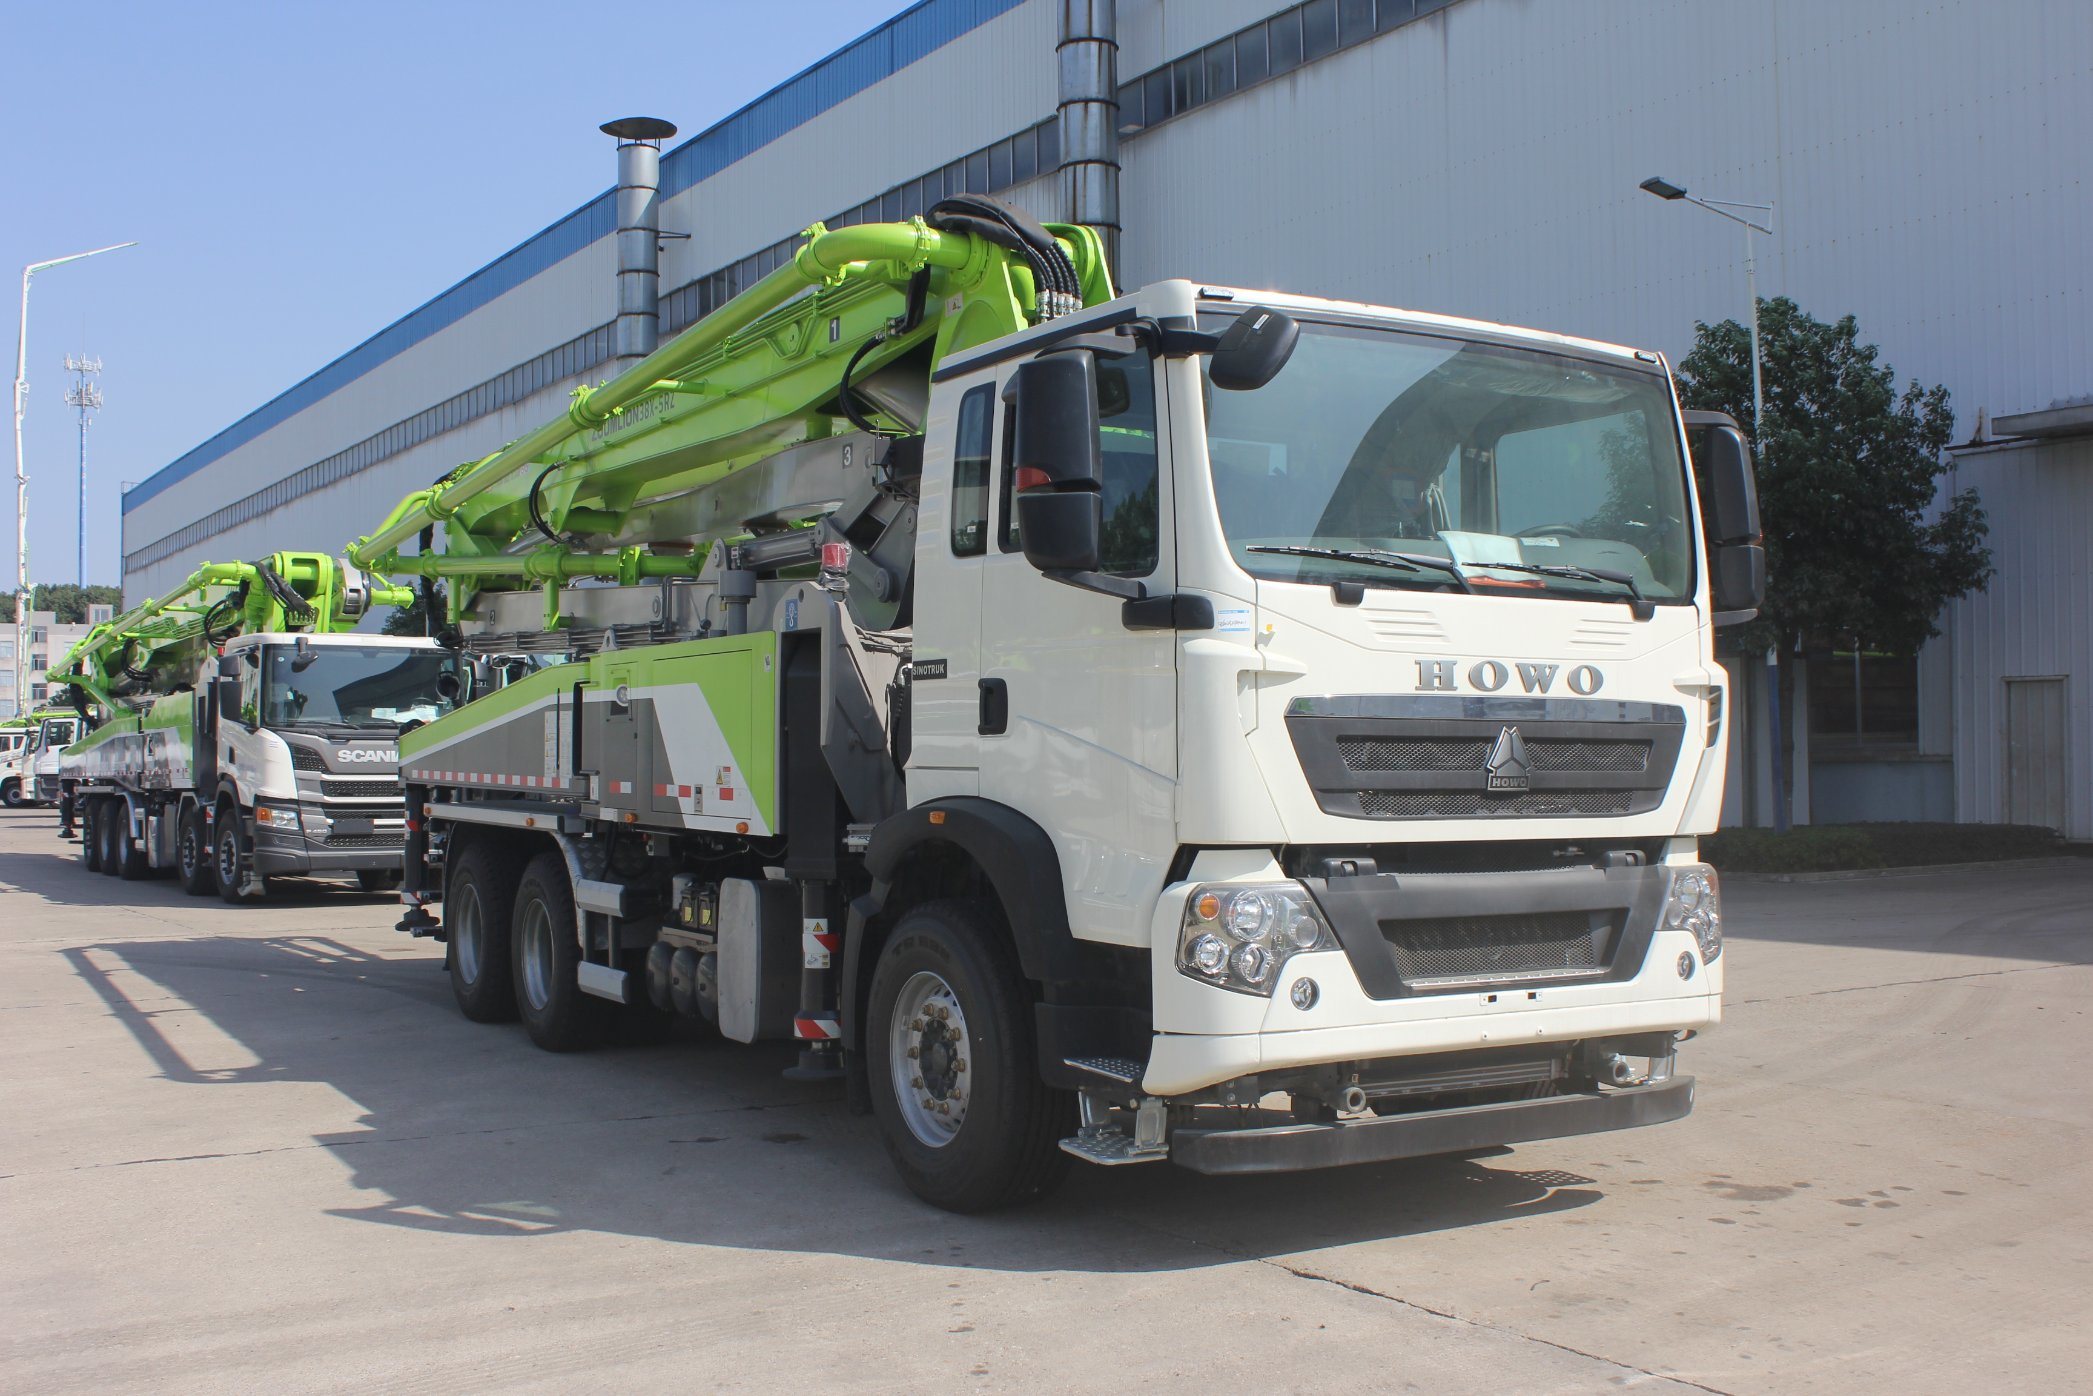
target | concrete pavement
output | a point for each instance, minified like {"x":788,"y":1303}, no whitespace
{"x":258,"y":1148}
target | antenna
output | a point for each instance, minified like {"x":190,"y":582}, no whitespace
{"x":86,"y":398}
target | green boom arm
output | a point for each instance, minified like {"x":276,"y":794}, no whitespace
{"x":160,"y":645}
{"x":580,"y":496}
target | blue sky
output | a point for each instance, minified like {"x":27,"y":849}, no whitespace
{"x":299,"y":175}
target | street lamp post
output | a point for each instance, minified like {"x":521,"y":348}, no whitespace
{"x":1742,"y":213}
{"x":22,"y":473}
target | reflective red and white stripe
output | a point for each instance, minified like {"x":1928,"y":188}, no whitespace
{"x":822,"y":1029}
{"x":497,"y":778}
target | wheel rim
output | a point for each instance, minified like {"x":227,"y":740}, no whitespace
{"x":229,"y":859}
{"x":927,"y":1047}
{"x":192,"y":856}
{"x":537,"y":954}
{"x":468,"y":928}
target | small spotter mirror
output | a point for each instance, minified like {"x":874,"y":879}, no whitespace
{"x":1253,"y":349}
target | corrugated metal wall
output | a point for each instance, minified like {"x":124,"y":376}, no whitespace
{"x":2034,"y":621}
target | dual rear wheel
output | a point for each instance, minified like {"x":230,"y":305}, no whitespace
{"x":514,"y":952}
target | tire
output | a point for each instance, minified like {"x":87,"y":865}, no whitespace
{"x":130,"y":858}
{"x":90,"y":835}
{"x":948,"y":985}
{"x":11,"y":794}
{"x":227,"y":849}
{"x":377,"y":880}
{"x":193,"y":857}
{"x":478,"y":907}
{"x":558,"y":1015}
{"x":108,"y":828}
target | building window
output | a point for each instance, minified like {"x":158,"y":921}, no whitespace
{"x":39,"y":661}
{"x":38,"y":692}
{"x":1862,"y":698}
{"x":38,"y":635}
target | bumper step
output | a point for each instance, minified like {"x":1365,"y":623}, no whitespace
{"x":1285,"y":1148}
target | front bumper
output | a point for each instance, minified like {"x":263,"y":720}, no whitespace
{"x":1206,"y":1035}
{"x":280,"y":852}
{"x":1286,"y":1148}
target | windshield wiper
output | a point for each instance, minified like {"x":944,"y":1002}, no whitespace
{"x":1638,"y":605}
{"x":1372,"y":557}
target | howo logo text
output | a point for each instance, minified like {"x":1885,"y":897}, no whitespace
{"x":1491,"y":675}
{"x":350,"y":755}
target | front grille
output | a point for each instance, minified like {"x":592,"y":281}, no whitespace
{"x":1433,"y":756}
{"x":1490,"y":949}
{"x":306,"y":759}
{"x":360,"y":789}
{"x":1466,"y":754}
{"x":383,"y":838}
{"x":1470,"y":804}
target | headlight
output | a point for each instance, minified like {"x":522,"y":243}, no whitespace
{"x":1694,"y":903}
{"x":1241,"y":937}
{"x":280,"y":817}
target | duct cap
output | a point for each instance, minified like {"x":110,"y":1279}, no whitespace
{"x":639,"y":128}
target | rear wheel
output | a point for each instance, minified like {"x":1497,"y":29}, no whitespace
{"x":90,"y":835}
{"x":130,"y":856}
{"x":229,"y":854}
{"x":11,"y":794}
{"x":108,"y":828}
{"x":477,"y":908}
{"x":955,"y":1084}
{"x":192,"y":853}
{"x":560,"y":1017}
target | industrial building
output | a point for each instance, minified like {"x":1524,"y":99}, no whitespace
{"x":1477,"y":157}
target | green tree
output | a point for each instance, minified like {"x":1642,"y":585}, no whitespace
{"x":413,"y":619}
{"x":69,"y":601}
{"x":1860,"y":542}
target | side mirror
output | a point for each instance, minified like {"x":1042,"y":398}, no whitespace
{"x":303,"y":655}
{"x":225,"y":698}
{"x":1057,"y":461}
{"x":1253,"y":349}
{"x":1729,"y":517}
{"x":450,"y":686}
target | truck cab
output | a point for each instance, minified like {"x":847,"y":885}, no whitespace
{"x":305,"y":750}
{"x":1372,"y":706}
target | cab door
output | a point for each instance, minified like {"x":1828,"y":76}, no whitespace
{"x":1077,"y":713}
{"x":952,"y":546}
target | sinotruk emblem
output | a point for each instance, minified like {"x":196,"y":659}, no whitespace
{"x":1506,"y":765}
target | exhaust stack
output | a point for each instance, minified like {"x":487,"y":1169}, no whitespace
{"x":1088,"y":93}
{"x":639,"y":139}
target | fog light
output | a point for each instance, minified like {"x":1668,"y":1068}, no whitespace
{"x":1305,"y":994}
{"x":1685,"y":964}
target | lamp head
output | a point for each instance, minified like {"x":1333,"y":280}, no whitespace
{"x":1662,"y":188}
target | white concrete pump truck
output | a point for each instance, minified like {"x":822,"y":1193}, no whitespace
{"x":1223,"y":727}
{"x":242,"y":734}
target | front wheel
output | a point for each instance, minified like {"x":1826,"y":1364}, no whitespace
{"x":228,"y":853}
{"x":192,"y":852}
{"x":955,"y":1084}
{"x":11,"y":794}
{"x":559,"y":1016}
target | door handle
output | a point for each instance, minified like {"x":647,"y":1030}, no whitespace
{"x":995,"y":708}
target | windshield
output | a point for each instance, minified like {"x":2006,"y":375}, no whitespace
{"x":1372,"y":441}
{"x":351,"y":686}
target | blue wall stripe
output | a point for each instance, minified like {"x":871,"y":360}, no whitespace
{"x":913,"y":34}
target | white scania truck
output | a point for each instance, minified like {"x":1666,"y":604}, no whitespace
{"x":243,"y":735}
{"x":1202,"y":724}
